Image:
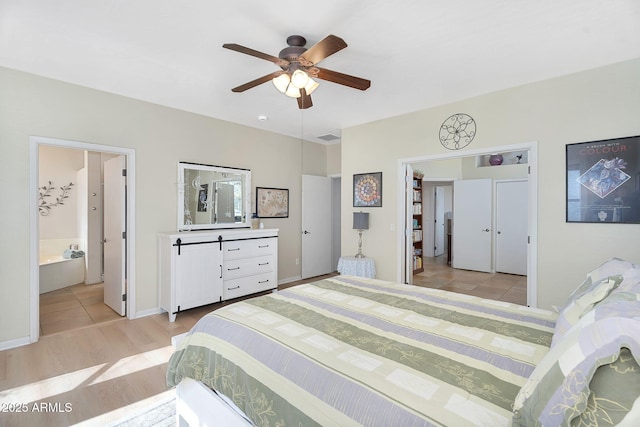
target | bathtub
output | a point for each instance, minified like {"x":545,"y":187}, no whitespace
{"x":56,"y":272}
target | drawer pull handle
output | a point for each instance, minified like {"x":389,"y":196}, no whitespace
{"x":233,"y":249}
{"x":264,"y":263}
{"x":263,"y":246}
{"x":230,"y":289}
{"x":235,"y":268}
{"x":263,"y":281}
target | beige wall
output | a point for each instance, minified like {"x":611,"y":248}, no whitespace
{"x":160,"y":136}
{"x":60,"y":166}
{"x":334,"y":159}
{"x":595,"y":104}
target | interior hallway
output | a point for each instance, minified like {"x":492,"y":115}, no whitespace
{"x":497,"y":286}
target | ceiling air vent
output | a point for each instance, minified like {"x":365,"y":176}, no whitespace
{"x":328,"y":137}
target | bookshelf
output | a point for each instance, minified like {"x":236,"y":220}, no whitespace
{"x":417,"y":223}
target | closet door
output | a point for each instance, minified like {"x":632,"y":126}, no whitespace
{"x":471,"y":247}
{"x":511,"y":227}
{"x":316,"y":226}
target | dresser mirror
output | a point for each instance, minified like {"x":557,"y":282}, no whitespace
{"x":213,"y":197}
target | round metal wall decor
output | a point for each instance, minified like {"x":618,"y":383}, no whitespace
{"x":457,"y":131}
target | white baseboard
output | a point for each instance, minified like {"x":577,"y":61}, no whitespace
{"x":150,"y":312}
{"x":18,"y":342}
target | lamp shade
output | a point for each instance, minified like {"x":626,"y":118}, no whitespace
{"x":360,"y":220}
{"x":282,"y":82}
{"x":299,"y":79}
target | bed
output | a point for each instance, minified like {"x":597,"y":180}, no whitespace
{"x":354,"y":351}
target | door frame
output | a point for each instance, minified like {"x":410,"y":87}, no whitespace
{"x":34,"y":241}
{"x":532,"y":249}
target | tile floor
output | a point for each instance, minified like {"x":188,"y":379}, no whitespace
{"x":73,"y":307}
{"x":496,"y":286}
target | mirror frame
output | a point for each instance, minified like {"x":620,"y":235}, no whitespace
{"x":246,"y":202}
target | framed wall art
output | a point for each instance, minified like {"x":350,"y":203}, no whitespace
{"x":603,"y":181}
{"x":272,"y":202}
{"x":367,"y":189}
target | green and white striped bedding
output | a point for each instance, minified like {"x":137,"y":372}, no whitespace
{"x":355,"y":351}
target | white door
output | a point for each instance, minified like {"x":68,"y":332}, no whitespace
{"x":114,"y":238}
{"x":439,"y":222}
{"x":316,"y":226}
{"x":511,"y":227}
{"x":472,"y":224}
{"x":408,"y":224}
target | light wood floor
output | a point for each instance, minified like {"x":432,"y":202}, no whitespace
{"x":97,"y":373}
{"x":93,"y":374}
{"x":73,"y":307}
{"x":497,"y":286}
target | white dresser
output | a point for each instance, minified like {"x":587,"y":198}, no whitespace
{"x":202,"y":267}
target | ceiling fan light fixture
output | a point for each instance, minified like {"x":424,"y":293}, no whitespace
{"x":282,"y":82}
{"x":297,"y":65}
{"x":299,"y":79}
{"x":292,"y":91}
{"x":311,"y":86}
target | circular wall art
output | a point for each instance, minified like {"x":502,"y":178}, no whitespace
{"x":457,"y":131}
{"x":367,"y":189}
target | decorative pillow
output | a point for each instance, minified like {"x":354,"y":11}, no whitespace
{"x":563,"y":386}
{"x":581,"y":301}
{"x":631,"y":280}
{"x":611,"y":267}
{"x":614,"y":390}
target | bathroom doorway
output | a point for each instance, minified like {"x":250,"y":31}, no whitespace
{"x":73,"y":235}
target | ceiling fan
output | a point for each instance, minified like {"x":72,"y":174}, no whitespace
{"x":299,"y":67}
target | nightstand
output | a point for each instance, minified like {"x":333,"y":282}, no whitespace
{"x":352,"y":266}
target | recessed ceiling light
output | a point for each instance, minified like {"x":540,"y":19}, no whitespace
{"x":263,"y":118}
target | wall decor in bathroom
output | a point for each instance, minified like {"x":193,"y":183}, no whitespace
{"x":45,"y":191}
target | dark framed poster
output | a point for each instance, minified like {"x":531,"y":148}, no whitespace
{"x":603,"y":181}
{"x":367,"y":189}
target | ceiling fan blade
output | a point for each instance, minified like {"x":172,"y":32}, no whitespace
{"x":256,"y":82}
{"x":319,"y":51}
{"x":304,"y":101}
{"x":248,"y":51}
{"x":343,"y":79}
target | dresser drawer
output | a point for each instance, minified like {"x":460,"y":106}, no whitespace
{"x":247,"y":267}
{"x":235,"y":288}
{"x":238,"y":249}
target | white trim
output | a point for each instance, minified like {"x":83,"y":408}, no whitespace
{"x":532,"y":252}
{"x":149,"y":312}
{"x":18,"y":342}
{"x":34,"y":288}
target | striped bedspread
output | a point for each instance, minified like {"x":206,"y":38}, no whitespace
{"x":353,"y":351}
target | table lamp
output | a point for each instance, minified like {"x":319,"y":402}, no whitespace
{"x":360,"y":223}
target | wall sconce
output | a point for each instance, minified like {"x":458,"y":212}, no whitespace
{"x":360,"y":223}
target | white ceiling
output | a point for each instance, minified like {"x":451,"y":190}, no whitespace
{"x":417,"y":53}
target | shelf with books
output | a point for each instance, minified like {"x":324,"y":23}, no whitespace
{"x":417,"y":223}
